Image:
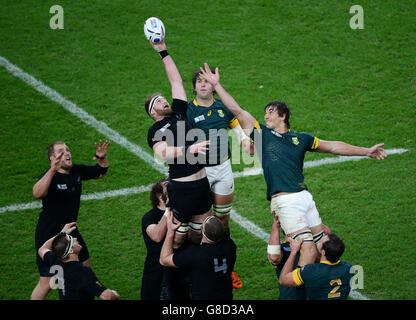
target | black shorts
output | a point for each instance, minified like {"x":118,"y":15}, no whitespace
{"x":84,"y":255}
{"x":191,"y":198}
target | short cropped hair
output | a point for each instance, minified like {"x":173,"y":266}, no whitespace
{"x":59,"y":244}
{"x":282,"y":109}
{"x":51,"y":148}
{"x":214,"y":229}
{"x":334,"y":248}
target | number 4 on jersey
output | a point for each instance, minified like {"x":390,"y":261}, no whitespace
{"x":223,"y":267}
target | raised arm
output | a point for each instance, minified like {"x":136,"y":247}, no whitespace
{"x":47,"y":246}
{"x":286,"y":276}
{"x":245,"y":119}
{"x":40,"y":189}
{"x":157,"y":231}
{"x":274,"y":252}
{"x":172,"y":72}
{"x":101,"y":154}
{"x":345,"y":149}
{"x":166,"y":254}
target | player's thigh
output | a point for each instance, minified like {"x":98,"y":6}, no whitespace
{"x":189,"y":198}
{"x":291,"y":211}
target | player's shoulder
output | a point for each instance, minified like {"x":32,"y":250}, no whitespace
{"x":218,"y":103}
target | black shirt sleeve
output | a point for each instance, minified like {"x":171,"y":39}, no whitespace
{"x":88,"y":172}
{"x":92,"y":285}
{"x":151,"y":136}
{"x":50,"y":258}
{"x":179,"y":106}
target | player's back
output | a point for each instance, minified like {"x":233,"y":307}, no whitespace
{"x":327,"y":281}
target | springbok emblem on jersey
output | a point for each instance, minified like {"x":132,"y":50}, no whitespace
{"x":295,"y":140}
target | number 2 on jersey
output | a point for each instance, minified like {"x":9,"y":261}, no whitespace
{"x":334,"y":293}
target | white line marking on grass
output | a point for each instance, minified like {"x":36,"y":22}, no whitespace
{"x":83,"y":115}
{"x":245,"y":173}
{"x":90,"y":196}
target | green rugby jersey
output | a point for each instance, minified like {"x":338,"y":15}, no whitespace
{"x":217,"y":118}
{"x":282,"y":158}
{"x":325,"y":280}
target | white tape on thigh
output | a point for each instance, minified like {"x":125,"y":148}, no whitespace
{"x":183,"y":229}
{"x":196,"y":226}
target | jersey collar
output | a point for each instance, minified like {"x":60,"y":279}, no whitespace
{"x":330,"y":263}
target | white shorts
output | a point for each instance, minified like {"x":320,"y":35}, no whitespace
{"x":295,"y":211}
{"x":221,"y":178}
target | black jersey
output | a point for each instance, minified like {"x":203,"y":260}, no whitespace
{"x":210,"y":266}
{"x":61,"y":204}
{"x":78,"y":283}
{"x":174,"y":129}
{"x":152,"y":264}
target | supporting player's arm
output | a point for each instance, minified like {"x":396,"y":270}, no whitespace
{"x":274,"y":253}
{"x":166,"y":254}
{"x":172,"y":72}
{"x":345,"y":149}
{"x":157,"y":231}
{"x":40,"y":189}
{"x":286,"y":276}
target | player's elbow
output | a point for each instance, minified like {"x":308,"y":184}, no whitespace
{"x":287,"y":280}
{"x":38,"y":194}
{"x":274,"y":259}
{"x":109,"y":295}
{"x":163,"y":261}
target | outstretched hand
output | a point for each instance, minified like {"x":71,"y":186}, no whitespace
{"x":101,"y":149}
{"x":158,"y":46}
{"x":69,"y":227}
{"x":212,"y":78}
{"x":200,"y":147}
{"x":377,"y":152}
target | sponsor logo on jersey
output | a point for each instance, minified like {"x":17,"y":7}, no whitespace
{"x":199,"y":118}
{"x":209,"y":113}
{"x":61,"y":186}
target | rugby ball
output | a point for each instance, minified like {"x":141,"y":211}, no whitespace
{"x":154,"y":30}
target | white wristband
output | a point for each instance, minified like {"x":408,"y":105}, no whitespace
{"x":273,"y":249}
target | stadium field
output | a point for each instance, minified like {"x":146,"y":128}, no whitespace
{"x":89,"y":80}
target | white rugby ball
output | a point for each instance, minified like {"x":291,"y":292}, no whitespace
{"x":154,"y":30}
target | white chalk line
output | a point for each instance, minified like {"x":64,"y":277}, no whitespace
{"x":142,"y":154}
{"x":83,"y":115}
{"x":241,"y":174}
